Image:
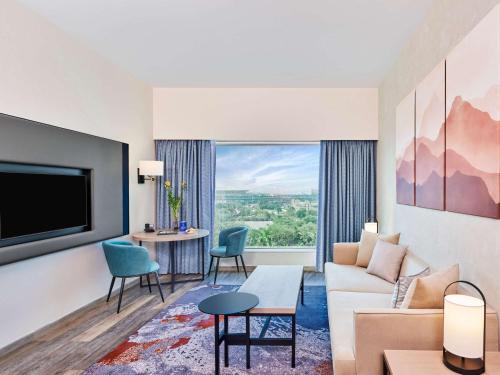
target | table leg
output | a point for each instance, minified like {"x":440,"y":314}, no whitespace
{"x":247,"y":332}
{"x":140,"y":277}
{"x":202,"y":258}
{"x":302,"y":289}
{"x":226,"y":346}
{"x":294,"y":326}
{"x":217,"y":354}
{"x":172,"y":267}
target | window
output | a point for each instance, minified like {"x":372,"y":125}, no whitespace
{"x":272,"y":189}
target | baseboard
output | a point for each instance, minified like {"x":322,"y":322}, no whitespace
{"x":41,"y":331}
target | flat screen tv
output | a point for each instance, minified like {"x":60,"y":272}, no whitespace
{"x":40,"y":202}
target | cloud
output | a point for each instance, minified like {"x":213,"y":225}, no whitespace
{"x":277,"y":169}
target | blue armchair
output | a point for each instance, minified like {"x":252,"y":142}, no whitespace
{"x":231,"y":245}
{"x":128,"y":260}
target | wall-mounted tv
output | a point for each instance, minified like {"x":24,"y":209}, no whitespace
{"x":41,"y":202}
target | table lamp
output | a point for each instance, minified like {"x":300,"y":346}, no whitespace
{"x":371,"y":225}
{"x":464,"y":332}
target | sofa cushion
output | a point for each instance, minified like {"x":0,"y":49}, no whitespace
{"x":367,"y":244}
{"x":354,"y":279}
{"x":412,"y":264}
{"x":427,"y":292}
{"x":341,"y":306}
{"x":386,"y":261}
{"x":402,"y":285}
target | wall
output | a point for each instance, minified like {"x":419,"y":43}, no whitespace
{"x":47,"y":76}
{"x":441,"y":238}
{"x":265,"y":114}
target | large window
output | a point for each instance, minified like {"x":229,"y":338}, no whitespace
{"x":272,"y":189}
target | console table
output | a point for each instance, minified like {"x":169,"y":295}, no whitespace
{"x":171,"y":239}
{"x":429,"y":362}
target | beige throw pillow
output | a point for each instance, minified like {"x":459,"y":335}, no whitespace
{"x":402,"y":286}
{"x":386,"y":261}
{"x":367,"y":244}
{"x":427,"y":292}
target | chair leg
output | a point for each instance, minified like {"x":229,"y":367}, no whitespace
{"x":216,"y":270}
{"x":237,"y":265}
{"x":243,"y":264}
{"x":111,"y":288}
{"x":121,"y":294}
{"x":149,"y":283}
{"x":211,"y":263}
{"x":159,"y":286}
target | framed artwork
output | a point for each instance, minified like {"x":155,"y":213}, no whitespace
{"x":405,"y":151}
{"x":430,"y":142}
{"x":473,"y":121}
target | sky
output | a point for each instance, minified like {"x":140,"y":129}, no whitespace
{"x":273,"y":169}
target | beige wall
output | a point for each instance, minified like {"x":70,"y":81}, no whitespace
{"x":50,"y":77}
{"x":265,"y":114}
{"x":441,"y":238}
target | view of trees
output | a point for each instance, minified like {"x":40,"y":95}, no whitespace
{"x":273,"y":220}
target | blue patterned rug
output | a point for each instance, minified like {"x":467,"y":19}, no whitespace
{"x":179,"y":340}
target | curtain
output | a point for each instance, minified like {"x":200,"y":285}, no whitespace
{"x":347,"y":196}
{"x":192,"y":161}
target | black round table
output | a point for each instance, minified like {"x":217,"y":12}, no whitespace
{"x":227,"y":304}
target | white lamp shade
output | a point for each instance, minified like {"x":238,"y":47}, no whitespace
{"x":371,"y":227}
{"x":463,"y":325}
{"x":151,"y":168}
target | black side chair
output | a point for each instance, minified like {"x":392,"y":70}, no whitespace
{"x":231,"y":245}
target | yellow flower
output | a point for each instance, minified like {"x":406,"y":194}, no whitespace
{"x":168,"y":184}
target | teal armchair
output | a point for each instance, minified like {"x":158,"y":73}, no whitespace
{"x":128,"y":260}
{"x":231,"y":245}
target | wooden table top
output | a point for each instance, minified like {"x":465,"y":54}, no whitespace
{"x":277,"y":287}
{"x":418,"y":362}
{"x":154,"y":237}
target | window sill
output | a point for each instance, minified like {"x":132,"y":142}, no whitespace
{"x":281,"y":250}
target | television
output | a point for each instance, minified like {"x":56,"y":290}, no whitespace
{"x":41,"y":202}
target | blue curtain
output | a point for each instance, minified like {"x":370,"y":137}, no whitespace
{"x":347,"y":196}
{"x":192,"y":161}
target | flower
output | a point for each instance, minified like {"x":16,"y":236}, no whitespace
{"x":168,"y":184}
{"x":184,"y":185}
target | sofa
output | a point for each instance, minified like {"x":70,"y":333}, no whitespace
{"x":363,"y":324}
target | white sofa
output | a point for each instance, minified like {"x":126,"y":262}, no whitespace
{"x":363,"y":324}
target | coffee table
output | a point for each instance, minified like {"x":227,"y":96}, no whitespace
{"x":229,"y":304}
{"x":278,"y":289}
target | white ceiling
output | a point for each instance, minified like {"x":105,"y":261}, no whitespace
{"x":243,"y":43}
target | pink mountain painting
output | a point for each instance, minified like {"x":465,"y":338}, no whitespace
{"x":430,"y":140}
{"x":405,"y":151}
{"x":473,"y":121}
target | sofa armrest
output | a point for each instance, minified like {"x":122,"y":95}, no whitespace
{"x":345,"y":252}
{"x":376,"y":330}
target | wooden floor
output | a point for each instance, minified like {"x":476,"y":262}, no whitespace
{"x":74,"y":343}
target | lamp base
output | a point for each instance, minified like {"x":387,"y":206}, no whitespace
{"x":462,"y":365}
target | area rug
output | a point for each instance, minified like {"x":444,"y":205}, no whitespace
{"x":179,"y":340}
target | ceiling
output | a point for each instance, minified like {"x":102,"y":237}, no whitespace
{"x":243,"y":43}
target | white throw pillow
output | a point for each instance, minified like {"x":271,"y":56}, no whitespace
{"x":386,"y":260}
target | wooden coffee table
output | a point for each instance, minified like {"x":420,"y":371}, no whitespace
{"x":278,"y":289}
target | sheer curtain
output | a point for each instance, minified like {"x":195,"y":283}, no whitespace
{"x":347,"y":195}
{"x":192,"y":161}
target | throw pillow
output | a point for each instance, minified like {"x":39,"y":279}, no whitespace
{"x":386,"y":260}
{"x":427,"y":292}
{"x":402,"y":286}
{"x":367,"y":244}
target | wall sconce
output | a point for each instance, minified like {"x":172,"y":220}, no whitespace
{"x":371,"y":226}
{"x":148,"y":169}
{"x":464,"y":332}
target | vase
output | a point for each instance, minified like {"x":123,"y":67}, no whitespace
{"x":175,"y":221}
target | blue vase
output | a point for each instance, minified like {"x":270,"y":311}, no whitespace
{"x":183,"y":226}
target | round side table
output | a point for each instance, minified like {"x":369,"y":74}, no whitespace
{"x":233,"y":303}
